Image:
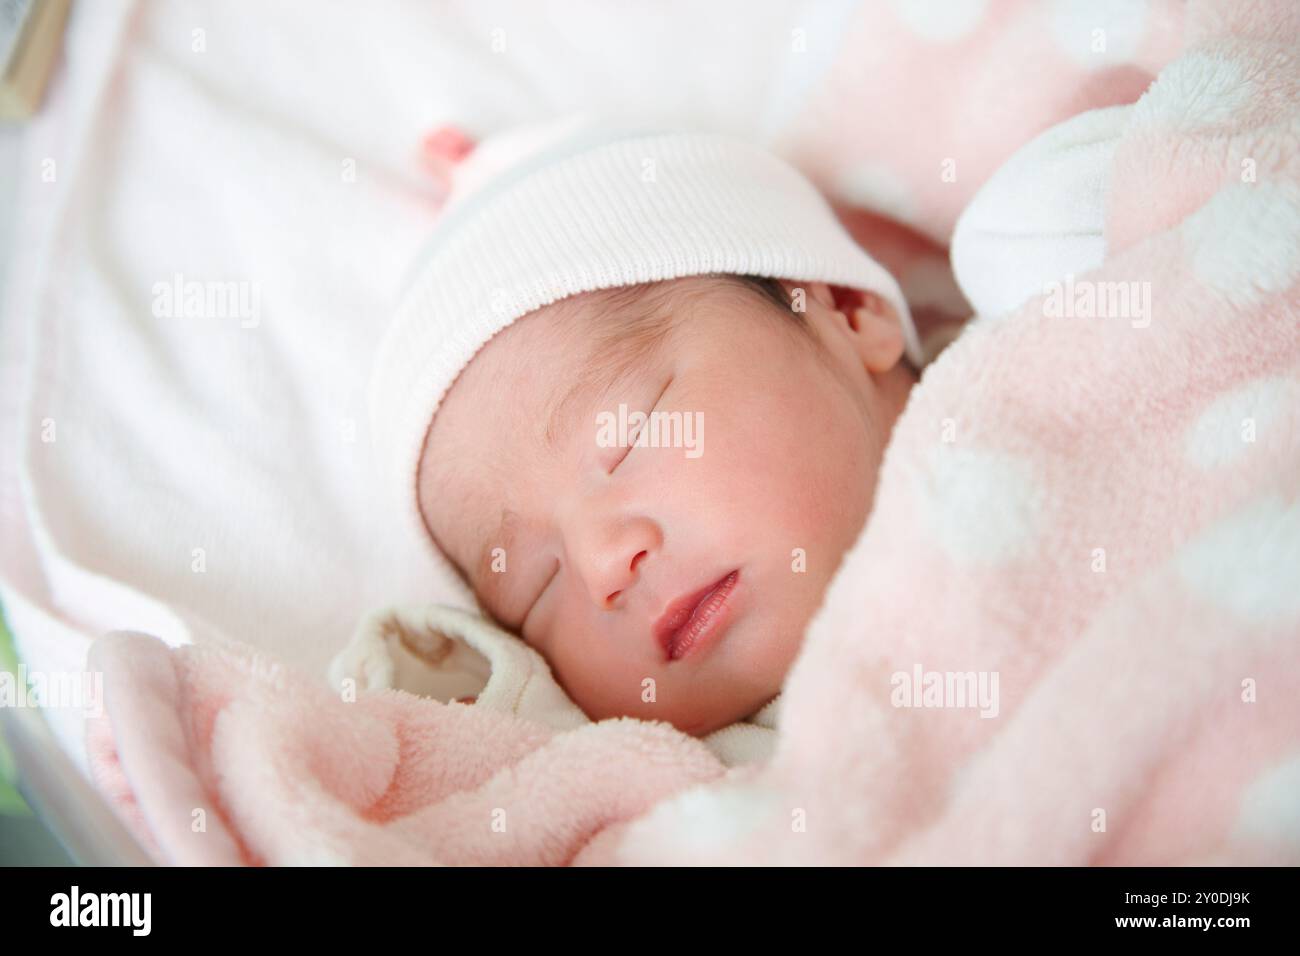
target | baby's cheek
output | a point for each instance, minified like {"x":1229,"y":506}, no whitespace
{"x":815,"y":482}
{"x":593,"y":666}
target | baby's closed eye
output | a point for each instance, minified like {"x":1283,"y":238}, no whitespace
{"x":621,"y":430}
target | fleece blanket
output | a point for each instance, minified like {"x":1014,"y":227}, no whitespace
{"x":1069,"y":633}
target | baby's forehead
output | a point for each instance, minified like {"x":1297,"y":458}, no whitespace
{"x":593,"y":337}
{"x":533,"y":371}
{"x":557,"y":355}
{"x":621,"y":310}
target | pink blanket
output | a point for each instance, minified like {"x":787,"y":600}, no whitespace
{"x":1094,"y":521}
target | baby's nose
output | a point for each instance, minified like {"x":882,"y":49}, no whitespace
{"x":613,"y":558}
{"x":611,"y":599}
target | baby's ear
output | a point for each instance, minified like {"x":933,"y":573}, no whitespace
{"x":867,"y":319}
{"x":879,"y":332}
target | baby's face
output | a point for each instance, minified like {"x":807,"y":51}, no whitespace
{"x":671,"y":579}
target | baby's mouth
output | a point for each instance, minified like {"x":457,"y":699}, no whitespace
{"x":694,"y":618}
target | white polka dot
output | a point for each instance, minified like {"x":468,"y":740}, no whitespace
{"x":1246,"y":564}
{"x":940,"y":21}
{"x":1245,"y":242}
{"x":1239,"y":421}
{"x":1099,"y":33}
{"x":1270,"y":807}
{"x":710,"y":818}
{"x":806,"y":64}
{"x":878,"y":188}
{"x":981,"y":506}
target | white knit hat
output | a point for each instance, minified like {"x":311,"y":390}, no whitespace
{"x":553,"y":210}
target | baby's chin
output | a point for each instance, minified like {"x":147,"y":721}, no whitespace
{"x":691,"y":712}
{"x":708,"y":719}
{"x":725,"y":719}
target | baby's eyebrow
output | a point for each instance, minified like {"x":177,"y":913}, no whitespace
{"x":560,"y":409}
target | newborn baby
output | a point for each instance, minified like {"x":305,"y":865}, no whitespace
{"x":637,"y":397}
{"x":628,"y":563}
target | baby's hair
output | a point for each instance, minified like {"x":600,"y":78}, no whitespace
{"x":771,"y":288}
{"x":646,"y":308}
{"x":775,"y":292}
